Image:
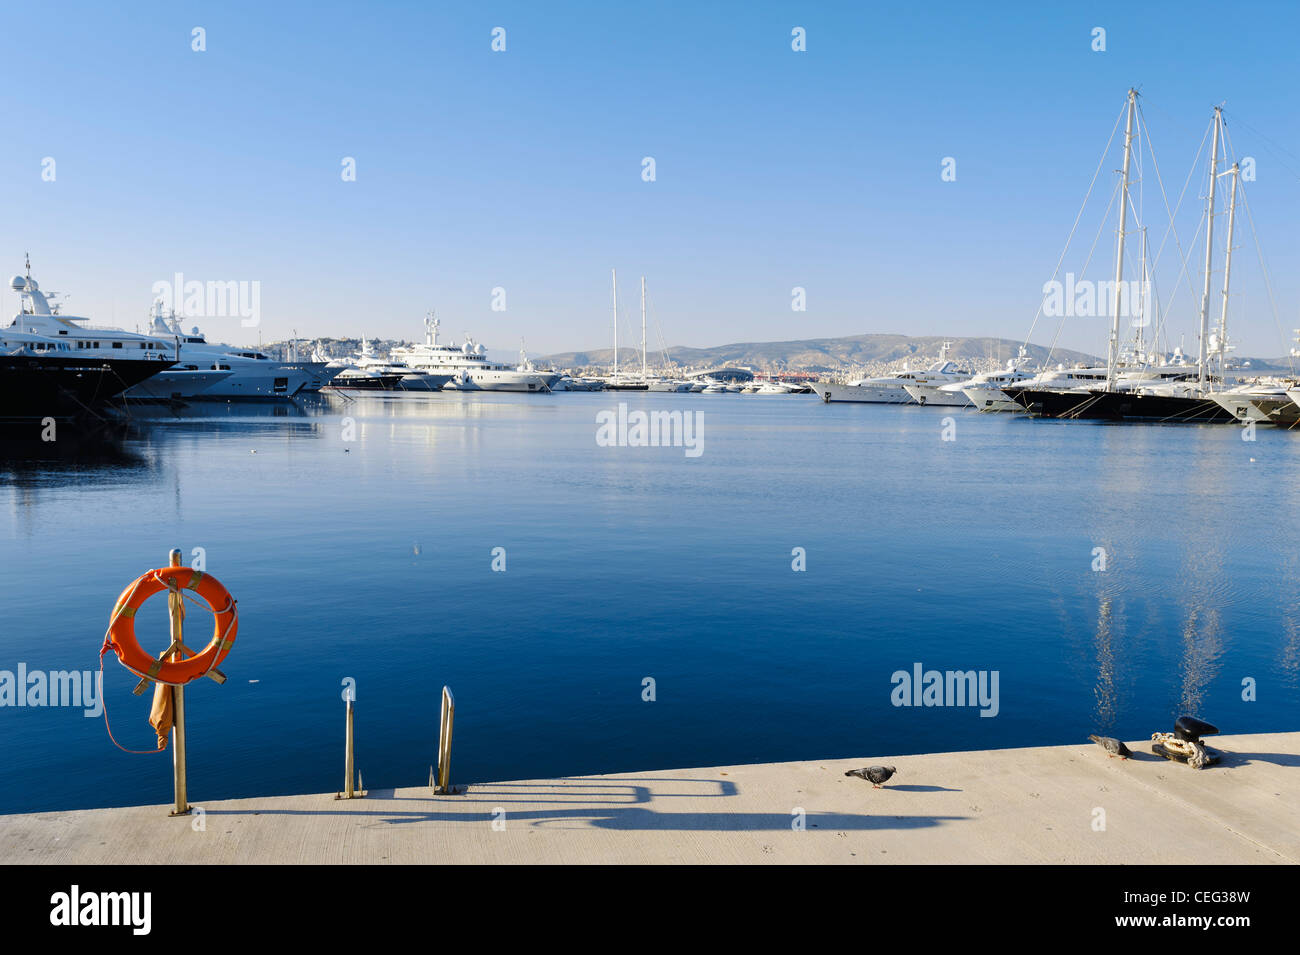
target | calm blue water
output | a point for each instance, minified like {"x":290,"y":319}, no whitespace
{"x":371,"y":559}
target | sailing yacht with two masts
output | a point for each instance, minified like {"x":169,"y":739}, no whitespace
{"x":1173,"y":395}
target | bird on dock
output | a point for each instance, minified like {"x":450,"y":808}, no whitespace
{"x":1113,"y":747}
{"x":873,"y":774}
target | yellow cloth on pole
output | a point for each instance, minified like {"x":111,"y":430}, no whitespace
{"x":161,"y":713}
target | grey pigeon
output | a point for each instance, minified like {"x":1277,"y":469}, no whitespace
{"x":873,"y":774}
{"x":1113,"y":747}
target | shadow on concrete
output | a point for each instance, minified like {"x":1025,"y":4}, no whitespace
{"x":1231,"y":760}
{"x":602,"y":804}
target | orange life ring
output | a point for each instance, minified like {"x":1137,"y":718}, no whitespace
{"x":121,"y":628}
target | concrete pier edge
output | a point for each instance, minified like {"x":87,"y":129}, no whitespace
{"x":1067,"y":804}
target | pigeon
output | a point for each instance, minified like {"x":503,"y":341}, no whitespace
{"x":873,"y":774}
{"x":1113,"y":747}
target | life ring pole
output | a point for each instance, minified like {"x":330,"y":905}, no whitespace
{"x":350,"y":790}
{"x":176,"y":606}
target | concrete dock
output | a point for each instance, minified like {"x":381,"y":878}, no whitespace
{"x":1059,"y":804}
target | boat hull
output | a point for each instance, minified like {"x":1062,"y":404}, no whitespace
{"x":936,"y":396}
{"x":1262,"y":409}
{"x":1118,"y":406}
{"x":863,"y":394}
{"x":56,"y":387}
{"x":526,"y":382}
{"x":991,"y":400}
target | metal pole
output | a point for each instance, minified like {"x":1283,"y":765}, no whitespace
{"x":348,"y":759}
{"x":177,"y":608}
{"x":444,"y":742}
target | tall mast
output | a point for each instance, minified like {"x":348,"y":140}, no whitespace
{"x":613,"y":274}
{"x":643,"y":328}
{"x":1112,"y":361}
{"x":1203,"y":353}
{"x":1142,"y":301}
{"x":1235,"y":172}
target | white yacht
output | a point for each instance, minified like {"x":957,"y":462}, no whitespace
{"x":252,"y":376}
{"x":1264,"y":402}
{"x":468,"y":365}
{"x":985,"y":390}
{"x":41,"y":319}
{"x":46,"y":377}
{"x":892,"y":389}
{"x":369,"y":372}
{"x":668,"y":384}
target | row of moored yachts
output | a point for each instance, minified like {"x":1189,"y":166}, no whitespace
{"x":1138,"y":388}
{"x":54,"y":365}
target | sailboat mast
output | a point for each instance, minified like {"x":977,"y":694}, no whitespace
{"x":643,"y":328}
{"x":1235,"y":172}
{"x":1112,"y":361}
{"x":613,"y":275}
{"x":1142,"y":300}
{"x":1203,"y":352}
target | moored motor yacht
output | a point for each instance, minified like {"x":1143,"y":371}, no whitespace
{"x":56,"y":365}
{"x":252,"y":375}
{"x":467,"y":366}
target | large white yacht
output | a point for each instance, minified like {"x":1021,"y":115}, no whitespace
{"x":369,"y":372}
{"x":252,"y":375}
{"x":892,"y":389}
{"x":468,"y":365}
{"x":39,"y":316}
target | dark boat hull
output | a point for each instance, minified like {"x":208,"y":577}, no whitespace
{"x":37,"y":386}
{"x":1118,"y":406}
{"x":371,"y":383}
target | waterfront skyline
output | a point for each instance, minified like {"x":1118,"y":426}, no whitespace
{"x":521,"y":170}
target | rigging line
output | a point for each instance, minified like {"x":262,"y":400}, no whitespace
{"x":1070,"y":238}
{"x":1268,"y":141}
{"x":1174,"y":212}
{"x":1088,"y":261}
{"x":1259,"y":251}
{"x":1268,"y":284}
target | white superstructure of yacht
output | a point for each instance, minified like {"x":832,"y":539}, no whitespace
{"x":252,"y":375}
{"x":468,"y":365}
{"x":40,"y":317}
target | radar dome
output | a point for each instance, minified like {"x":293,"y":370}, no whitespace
{"x":479,"y":349}
{"x":17,"y":283}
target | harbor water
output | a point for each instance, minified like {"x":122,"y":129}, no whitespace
{"x":601,"y":608}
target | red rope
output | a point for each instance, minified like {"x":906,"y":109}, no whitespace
{"x":104,"y":701}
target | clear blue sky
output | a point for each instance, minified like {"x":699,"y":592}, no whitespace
{"x":522,"y":169}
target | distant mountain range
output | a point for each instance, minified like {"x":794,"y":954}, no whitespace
{"x":839,"y":354}
{"x":824,"y":354}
